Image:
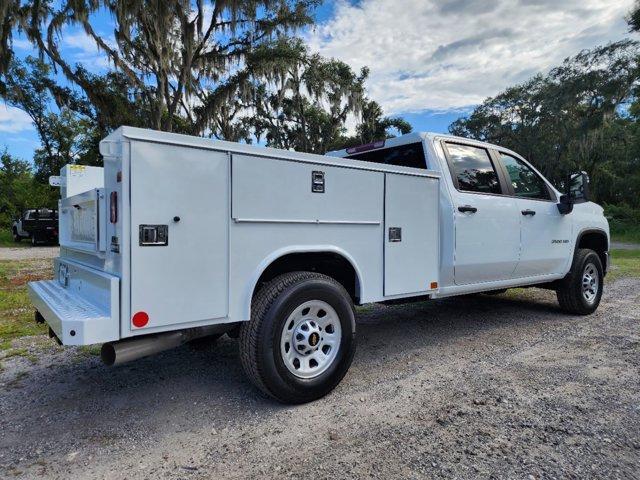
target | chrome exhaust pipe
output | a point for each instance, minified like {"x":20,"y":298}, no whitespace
{"x":116,"y":353}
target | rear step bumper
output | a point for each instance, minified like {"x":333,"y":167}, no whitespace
{"x":83,"y":313}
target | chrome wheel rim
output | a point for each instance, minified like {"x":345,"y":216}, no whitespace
{"x":590,"y":283}
{"x":310,"y":339}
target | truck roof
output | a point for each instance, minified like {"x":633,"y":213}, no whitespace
{"x":110,"y":146}
{"x":417,"y":137}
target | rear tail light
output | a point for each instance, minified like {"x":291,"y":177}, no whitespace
{"x":113,"y":207}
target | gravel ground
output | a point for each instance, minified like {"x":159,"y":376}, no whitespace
{"x":28,"y":253}
{"x":473,"y":387}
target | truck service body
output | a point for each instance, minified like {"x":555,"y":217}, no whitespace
{"x":181,"y":237}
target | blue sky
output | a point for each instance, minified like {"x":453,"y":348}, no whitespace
{"x":431,"y":61}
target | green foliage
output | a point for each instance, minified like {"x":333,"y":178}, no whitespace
{"x":69,"y":124}
{"x":19,"y":190}
{"x":293,"y":99}
{"x":375,"y":126}
{"x":624,"y":222}
{"x":580,"y":116}
{"x":172,"y":54}
{"x":299,"y":100}
{"x":622,"y":214}
{"x":230,"y":70}
{"x":227,"y":69}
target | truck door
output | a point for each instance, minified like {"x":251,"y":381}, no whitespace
{"x":486,"y":223}
{"x":546,"y":234}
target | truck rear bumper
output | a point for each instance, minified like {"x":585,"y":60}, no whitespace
{"x":84,"y":312}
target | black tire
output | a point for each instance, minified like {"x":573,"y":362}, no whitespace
{"x":34,"y":240}
{"x":571,"y":296}
{"x":16,"y":238}
{"x":260,"y":338}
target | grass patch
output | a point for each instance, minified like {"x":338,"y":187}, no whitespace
{"x":361,"y":309}
{"x":90,"y":350}
{"x":20,"y":352}
{"x":16,"y":311}
{"x":624,"y":263}
{"x":6,"y":239}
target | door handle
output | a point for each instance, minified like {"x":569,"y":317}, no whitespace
{"x":467,"y":208}
{"x":528,"y":212}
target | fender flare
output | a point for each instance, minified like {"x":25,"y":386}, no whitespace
{"x":247,"y":296}
{"x":587,"y":231}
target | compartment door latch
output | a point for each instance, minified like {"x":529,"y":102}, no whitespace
{"x":154,"y":235}
{"x":317,"y":182}
{"x":395,"y":234}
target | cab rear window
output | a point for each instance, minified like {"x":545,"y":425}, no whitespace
{"x":410,"y":155}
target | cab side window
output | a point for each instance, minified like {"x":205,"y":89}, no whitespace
{"x":526,"y":183}
{"x":472,"y":169}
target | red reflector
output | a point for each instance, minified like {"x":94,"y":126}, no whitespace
{"x":140,"y":319}
{"x":119,"y":177}
{"x":113,"y":207}
{"x":364,"y":148}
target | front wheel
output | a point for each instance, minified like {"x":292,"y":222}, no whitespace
{"x":300,"y":340}
{"x":581,"y":290}
{"x":16,"y":237}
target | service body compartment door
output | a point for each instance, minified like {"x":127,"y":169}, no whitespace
{"x":179,"y":236}
{"x":411,"y":249}
{"x":82,"y":221}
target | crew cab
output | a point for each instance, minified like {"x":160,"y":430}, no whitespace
{"x":183,"y":237}
{"x":37,"y":224}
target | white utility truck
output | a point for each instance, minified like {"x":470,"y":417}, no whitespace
{"x":183,"y":237}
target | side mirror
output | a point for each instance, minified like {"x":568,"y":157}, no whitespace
{"x":578,"y":187}
{"x":577,"y":191}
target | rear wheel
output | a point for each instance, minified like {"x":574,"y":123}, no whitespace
{"x":581,"y":290}
{"x":300,"y":340}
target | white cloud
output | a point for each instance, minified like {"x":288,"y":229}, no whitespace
{"x":13,"y":120}
{"x":450,"y":54}
{"x":79,"y":40}
{"x":81,"y":48}
{"x":22,"y":44}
